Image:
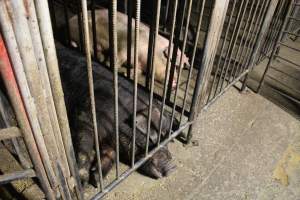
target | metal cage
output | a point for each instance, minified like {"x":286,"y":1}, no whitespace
{"x":221,"y":39}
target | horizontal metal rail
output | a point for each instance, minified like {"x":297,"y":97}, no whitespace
{"x":141,"y":162}
{"x":9,"y":133}
{"x":7,"y":178}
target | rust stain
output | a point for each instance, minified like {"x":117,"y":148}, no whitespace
{"x":26,"y":5}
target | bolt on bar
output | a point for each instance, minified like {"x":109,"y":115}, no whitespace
{"x":136,"y":53}
{"x":91,"y":89}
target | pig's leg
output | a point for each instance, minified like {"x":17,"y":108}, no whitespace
{"x":108,"y":156}
{"x":85,"y":155}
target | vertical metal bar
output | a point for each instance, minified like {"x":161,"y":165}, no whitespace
{"x":211,"y":44}
{"x":53,"y":70}
{"x":113,"y":61}
{"x":233,"y":39}
{"x":193,"y":56}
{"x":129,"y":36}
{"x":181,"y":62}
{"x":91,"y":87}
{"x":223,"y":45}
{"x":170,"y":49}
{"x":41,"y":62}
{"x":257,"y":26}
{"x":136,"y":53}
{"x":286,"y":19}
{"x":153,"y":67}
{"x":246,"y":41}
{"x":44,"y":130}
{"x":18,"y":106}
{"x":178,"y":28}
{"x":248,"y":25}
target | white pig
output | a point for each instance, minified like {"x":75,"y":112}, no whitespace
{"x":102,"y":34}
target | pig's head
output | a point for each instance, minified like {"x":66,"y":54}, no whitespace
{"x":185,"y":59}
{"x":159,"y":165}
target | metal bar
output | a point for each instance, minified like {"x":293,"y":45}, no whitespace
{"x":7,"y":178}
{"x":288,"y":46}
{"x":238,"y":68}
{"x":223,"y":45}
{"x":113,"y":61}
{"x":17,"y":103}
{"x":55,"y":80}
{"x":211,"y":44}
{"x":225,"y":90}
{"x":193,"y":57}
{"x":9,"y":133}
{"x":153,"y":67}
{"x":178,"y":28}
{"x":274,"y":49}
{"x":290,"y":33}
{"x":286,"y":60}
{"x":167,"y":74}
{"x":129,"y":36}
{"x":181,"y":63}
{"x":275,"y":22}
{"x":248,"y":25}
{"x":24,"y":86}
{"x":234,"y":37}
{"x":64,"y":186}
{"x":91,"y":88}
{"x":41,"y":62}
{"x":140,"y":162}
{"x":136,"y":53}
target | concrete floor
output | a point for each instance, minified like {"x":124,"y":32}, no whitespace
{"x":248,"y":148}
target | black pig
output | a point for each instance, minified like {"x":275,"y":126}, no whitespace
{"x":75,"y":83}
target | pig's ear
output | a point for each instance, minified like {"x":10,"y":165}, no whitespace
{"x":165,"y":51}
{"x":156,"y":118}
{"x":141,"y":125}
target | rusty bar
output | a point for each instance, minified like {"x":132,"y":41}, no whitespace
{"x":91,"y":87}
{"x":16,"y":100}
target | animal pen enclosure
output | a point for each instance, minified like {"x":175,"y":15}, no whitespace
{"x":205,"y":47}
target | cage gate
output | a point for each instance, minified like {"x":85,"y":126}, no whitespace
{"x":186,"y":58}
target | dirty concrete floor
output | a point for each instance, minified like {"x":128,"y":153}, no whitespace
{"x":245,"y":143}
